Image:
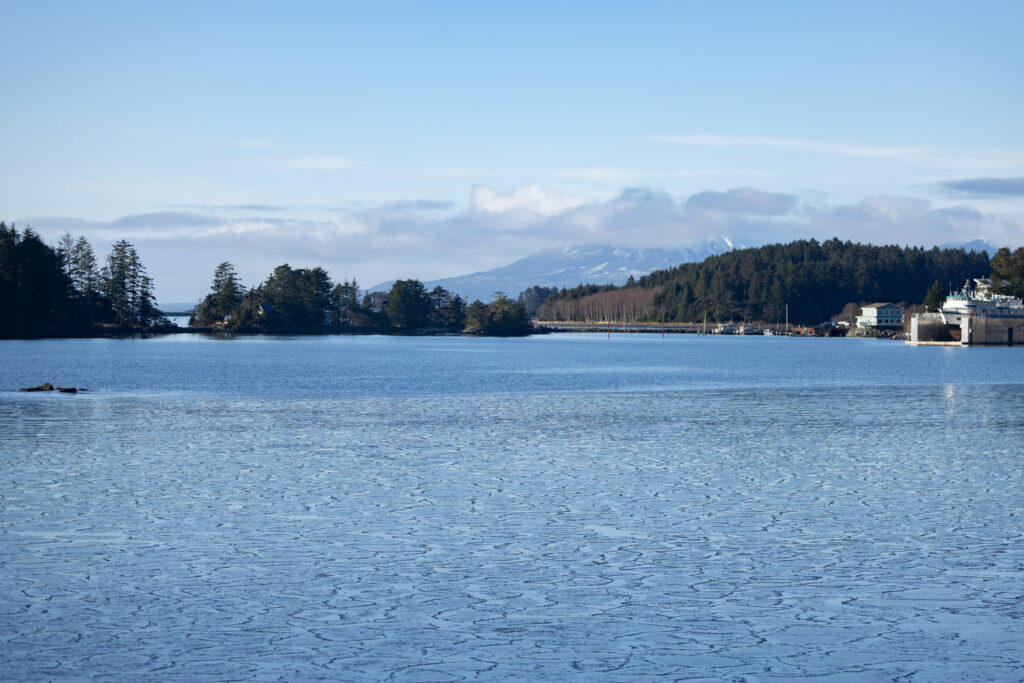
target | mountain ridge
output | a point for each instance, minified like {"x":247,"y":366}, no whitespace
{"x":600,"y":264}
{"x":569,"y":266}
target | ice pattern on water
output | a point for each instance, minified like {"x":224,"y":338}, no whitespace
{"x":738,"y":534}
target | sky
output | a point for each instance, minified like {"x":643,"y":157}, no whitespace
{"x":386,"y":140}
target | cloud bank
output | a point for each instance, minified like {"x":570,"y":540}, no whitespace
{"x":529,"y":199}
{"x":986,"y":187}
{"x":429,"y":239}
{"x":743,"y":200}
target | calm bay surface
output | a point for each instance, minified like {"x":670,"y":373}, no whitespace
{"x":549,"y":508}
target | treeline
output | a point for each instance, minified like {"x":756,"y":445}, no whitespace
{"x":624,"y":305}
{"x":64,"y":291}
{"x":816,"y":281}
{"x":306,"y":301}
{"x":1008,"y":272}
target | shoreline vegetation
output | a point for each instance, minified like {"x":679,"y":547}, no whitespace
{"x":815,"y":281}
{"x":305,"y":301}
{"x":64,"y":291}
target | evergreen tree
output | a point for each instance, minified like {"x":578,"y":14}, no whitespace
{"x":226,"y":294}
{"x":84,"y":270}
{"x":534,"y":297}
{"x":128,"y":288}
{"x":291,"y":301}
{"x":227,"y":289}
{"x":476,"y":316}
{"x":116,"y":283}
{"x":500,"y":318}
{"x":1008,"y":272}
{"x":65,"y":250}
{"x":36,"y":296}
{"x":934,"y":297}
{"x":345,"y":306}
{"x":408,"y":305}
{"x":448,"y":310}
{"x":315,"y":295}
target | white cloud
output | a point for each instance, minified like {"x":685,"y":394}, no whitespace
{"x":530,"y":198}
{"x":428,"y":239}
{"x":909,"y":221}
{"x":319,"y":163}
{"x":234,"y":228}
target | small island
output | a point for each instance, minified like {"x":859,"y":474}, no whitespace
{"x":305,"y":301}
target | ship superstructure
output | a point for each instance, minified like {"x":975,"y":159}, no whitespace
{"x":979,"y":300}
{"x":975,"y":315}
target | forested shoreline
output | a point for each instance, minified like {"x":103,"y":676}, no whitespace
{"x":65,"y":291}
{"x":814,"y":281}
{"x":306,"y":301}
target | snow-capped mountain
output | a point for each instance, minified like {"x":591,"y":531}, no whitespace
{"x":570,"y":266}
{"x":980,"y":244}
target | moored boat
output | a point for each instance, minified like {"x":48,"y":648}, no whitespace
{"x":979,"y":300}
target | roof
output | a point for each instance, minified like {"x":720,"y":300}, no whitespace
{"x":880,"y":305}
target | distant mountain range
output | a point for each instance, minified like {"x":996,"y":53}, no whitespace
{"x":979,"y":244}
{"x":570,"y":266}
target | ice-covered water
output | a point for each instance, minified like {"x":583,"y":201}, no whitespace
{"x":563,"y":507}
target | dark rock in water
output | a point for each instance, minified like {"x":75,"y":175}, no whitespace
{"x":49,"y":387}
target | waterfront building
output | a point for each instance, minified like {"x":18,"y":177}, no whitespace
{"x":881,"y":316}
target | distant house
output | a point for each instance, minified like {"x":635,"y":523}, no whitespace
{"x":376,"y":301}
{"x":880,"y":316}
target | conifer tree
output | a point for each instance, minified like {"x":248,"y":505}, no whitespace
{"x":85,"y":274}
{"x":128,"y":288}
{"x":226,"y":295}
{"x":934,"y":297}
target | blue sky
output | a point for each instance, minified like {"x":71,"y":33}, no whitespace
{"x":419,"y":139}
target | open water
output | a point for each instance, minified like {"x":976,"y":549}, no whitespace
{"x":565,"y":507}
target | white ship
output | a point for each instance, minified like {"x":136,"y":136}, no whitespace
{"x":979,"y":301}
